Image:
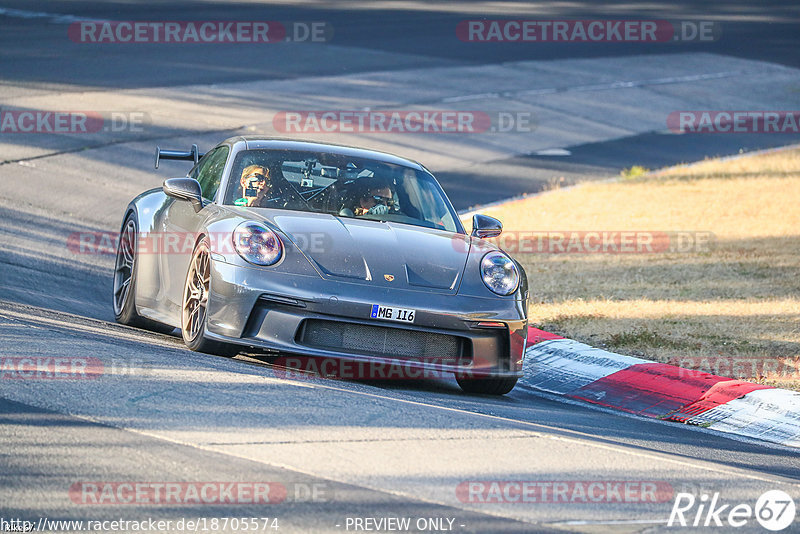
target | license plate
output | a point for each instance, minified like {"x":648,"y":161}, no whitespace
{"x":389,"y":313}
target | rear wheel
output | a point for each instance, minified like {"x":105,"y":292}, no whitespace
{"x":195,"y":303}
{"x":487,"y":386}
{"x":125,"y":281}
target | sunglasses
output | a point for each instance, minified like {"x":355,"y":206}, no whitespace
{"x":260,"y":177}
{"x":382,"y":200}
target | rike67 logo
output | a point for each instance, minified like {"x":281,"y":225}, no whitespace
{"x":774,"y":510}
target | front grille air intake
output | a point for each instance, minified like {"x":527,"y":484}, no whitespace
{"x":383,"y":341}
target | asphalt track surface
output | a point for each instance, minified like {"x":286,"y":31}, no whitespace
{"x":372,"y":449}
{"x":395,"y":36}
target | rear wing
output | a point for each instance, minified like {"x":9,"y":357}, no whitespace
{"x":193,"y":155}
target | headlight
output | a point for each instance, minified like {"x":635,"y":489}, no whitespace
{"x":257,"y":244}
{"x":499,"y":273}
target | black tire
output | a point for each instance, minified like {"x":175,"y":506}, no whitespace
{"x":193,"y":305}
{"x":487,"y":386}
{"x":124,"y":285}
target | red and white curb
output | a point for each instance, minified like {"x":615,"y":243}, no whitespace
{"x":574,"y":370}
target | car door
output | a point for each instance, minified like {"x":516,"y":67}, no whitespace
{"x":182,"y":224}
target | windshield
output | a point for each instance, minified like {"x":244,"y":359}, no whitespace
{"x":338,"y":185}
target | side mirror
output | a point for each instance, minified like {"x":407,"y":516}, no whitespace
{"x":184,"y":189}
{"x":484,"y":226}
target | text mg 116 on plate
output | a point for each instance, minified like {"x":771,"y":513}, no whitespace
{"x":401,"y":315}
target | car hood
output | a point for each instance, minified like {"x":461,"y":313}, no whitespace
{"x":377,"y":253}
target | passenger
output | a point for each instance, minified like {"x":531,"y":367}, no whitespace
{"x":376,"y":199}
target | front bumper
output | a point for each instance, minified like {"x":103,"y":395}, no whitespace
{"x":272,"y":310}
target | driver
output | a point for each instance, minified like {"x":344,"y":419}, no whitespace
{"x":256,"y":185}
{"x":376,"y":199}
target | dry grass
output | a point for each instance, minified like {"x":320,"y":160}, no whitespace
{"x":732,"y":307}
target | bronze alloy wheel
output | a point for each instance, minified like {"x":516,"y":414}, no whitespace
{"x":124,"y":268}
{"x":195,"y":294}
{"x":125,"y":281}
{"x":194,"y":306}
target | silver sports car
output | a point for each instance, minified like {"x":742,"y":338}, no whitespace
{"x":323,"y":251}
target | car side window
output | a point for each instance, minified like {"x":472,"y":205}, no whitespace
{"x":209,"y":171}
{"x":196,"y":169}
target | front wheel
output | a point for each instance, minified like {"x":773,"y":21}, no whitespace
{"x":487,"y":386}
{"x":195,"y":303}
